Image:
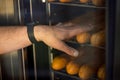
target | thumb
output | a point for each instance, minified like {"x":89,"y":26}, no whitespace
{"x":67,"y":49}
{"x":72,"y":51}
{"x":60,"y":45}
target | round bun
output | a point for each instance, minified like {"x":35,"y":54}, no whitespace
{"x":84,"y":1}
{"x":98,"y":2}
{"x":64,"y":1}
{"x":83,"y":37}
{"x":59,"y":62}
{"x":98,"y":39}
{"x":86,"y":72}
{"x":101,"y":72}
{"x":72,"y":68}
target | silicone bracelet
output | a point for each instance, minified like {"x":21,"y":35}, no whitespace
{"x":30,"y":31}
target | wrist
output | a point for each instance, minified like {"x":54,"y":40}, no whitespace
{"x":36,"y":33}
{"x":39,"y":32}
{"x":30,"y":32}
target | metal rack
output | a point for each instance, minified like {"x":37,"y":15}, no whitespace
{"x":62,"y":75}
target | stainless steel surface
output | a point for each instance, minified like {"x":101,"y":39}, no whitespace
{"x":0,"y":72}
{"x":6,"y":8}
{"x":34,"y":60}
{"x":19,"y":12}
{"x":116,"y":71}
{"x":9,"y":12}
{"x":31,"y":11}
{"x":23,"y":63}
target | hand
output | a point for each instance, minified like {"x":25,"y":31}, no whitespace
{"x":53,"y":36}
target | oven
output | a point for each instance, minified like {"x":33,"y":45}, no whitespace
{"x":37,"y":62}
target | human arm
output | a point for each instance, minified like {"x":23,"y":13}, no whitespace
{"x":16,"y":37}
{"x":13,"y":38}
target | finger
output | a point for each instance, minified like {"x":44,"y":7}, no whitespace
{"x":68,"y":32}
{"x":57,"y":44}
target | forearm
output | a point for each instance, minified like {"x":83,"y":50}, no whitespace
{"x":13,"y":38}
{"x":16,"y":37}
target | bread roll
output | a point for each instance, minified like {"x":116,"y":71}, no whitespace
{"x":91,"y":58}
{"x":98,"y":2}
{"x":101,"y":72}
{"x":72,"y":68}
{"x":86,"y":72}
{"x":83,"y":37}
{"x":65,"y":1}
{"x":60,"y":62}
{"x":84,"y":1}
{"x":98,"y":39}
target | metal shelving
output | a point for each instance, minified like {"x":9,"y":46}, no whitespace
{"x":62,"y":75}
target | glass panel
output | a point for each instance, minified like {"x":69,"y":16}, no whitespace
{"x":90,"y":64}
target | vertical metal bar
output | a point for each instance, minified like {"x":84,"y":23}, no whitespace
{"x":111,"y":12}
{"x":11,"y":63}
{"x":22,"y":50}
{"x":0,"y":72}
{"x":23,"y":64}
{"x":19,"y":11}
{"x":116,"y":72}
{"x":49,"y":14}
{"x":31,"y":13}
{"x":48,"y":11}
{"x":20,"y":65}
{"x":34,"y":52}
{"x":34,"y":58}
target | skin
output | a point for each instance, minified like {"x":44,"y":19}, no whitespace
{"x":15,"y":37}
